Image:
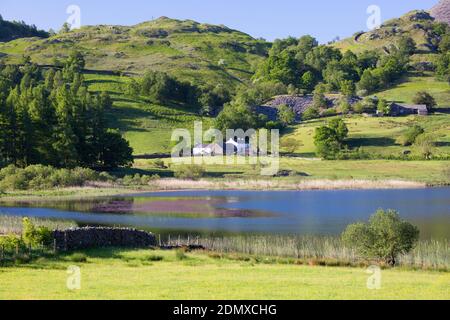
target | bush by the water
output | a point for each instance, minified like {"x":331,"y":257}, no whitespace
{"x":385,"y":237}
{"x":192,"y":172}
{"x":32,"y":236}
{"x":46,"y":177}
{"x":137,"y":180}
{"x":35,"y":236}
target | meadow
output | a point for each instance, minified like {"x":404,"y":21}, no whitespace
{"x":146,"y":274}
{"x":303,"y":170}
{"x":377,"y":136}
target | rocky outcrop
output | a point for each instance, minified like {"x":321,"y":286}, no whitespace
{"x":84,"y":238}
{"x":441,"y":11}
{"x":299,"y":104}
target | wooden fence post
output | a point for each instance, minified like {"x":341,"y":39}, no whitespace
{"x":159,"y":240}
{"x":54,"y":246}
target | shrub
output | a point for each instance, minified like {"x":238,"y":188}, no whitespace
{"x":138,"y":180}
{"x":35,"y":236}
{"x":159,"y":164}
{"x":78,"y":257}
{"x":11,"y":242}
{"x":310,"y":113}
{"x":410,"y":136}
{"x":331,"y":112}
{"x":192,"y":172}
{"x":180,"y":255}
{"x":155,"y":258}
{"x":44,"y":177}
{"x":426,"y":144}
{"x":423,"y":97}
{"x":385,"y":237}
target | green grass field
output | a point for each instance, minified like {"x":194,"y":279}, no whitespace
{"x":404,"y":90}
{"x":430,"y":172}
{"x":126,"y":274}
{"x":377,"y":135}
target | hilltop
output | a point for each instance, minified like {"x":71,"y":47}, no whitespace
{"x":201,"y":53}
{"x":441,"y":11}
{"x":416,"y":24}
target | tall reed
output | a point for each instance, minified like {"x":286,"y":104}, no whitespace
{"x":427,"y":254}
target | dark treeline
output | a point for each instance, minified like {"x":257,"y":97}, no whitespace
{"x":164,"y":88}
{"x":10,"y":30}
{"x":49,"y":117}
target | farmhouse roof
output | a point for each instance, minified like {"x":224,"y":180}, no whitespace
{"x":413,"y":106}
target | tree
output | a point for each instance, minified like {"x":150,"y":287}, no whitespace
{"x":383,"y":107}
{"x":311,"y":113}
{"x":286,"y":115}
{"x":423,"y":97}
{"x":290,"y":145}
{"x":340,"y":129}
{"x":308,"y":80}
{"x":65,"y":28}
{"x":344,"y":106}
{"x":444,"y":45}
{"x":329,"y":139}
{"x":443,"y":67}
{"x":236,"y":115}
{"x":369,"y":82}
{"x":319,"y":99}
{"x":116,"y":151}
{"x":48,"y":120}
{"x":347,"y":88}
{"x":407,"y":46}
{"x":426,"y":145}
{"x":385,"y":237}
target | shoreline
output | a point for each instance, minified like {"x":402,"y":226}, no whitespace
{"x":178,"y":185}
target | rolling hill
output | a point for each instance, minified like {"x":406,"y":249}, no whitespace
{"x":189,"y":50}
{"x":416,"y":24}
{"x":211,"y":54}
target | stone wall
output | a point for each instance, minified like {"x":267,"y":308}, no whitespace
{"x":83,"y":238}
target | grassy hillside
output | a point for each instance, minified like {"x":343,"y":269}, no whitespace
{"x":377,"y":135}
{"x":148,"y":126}
{"x":417,"y":24}
{"x":210,"y":54}
{"x":189,"y":50}
{"x":145,"y":274}
{"x":405,"y":89}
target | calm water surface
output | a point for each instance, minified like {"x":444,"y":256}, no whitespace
{"x":224,"y":212}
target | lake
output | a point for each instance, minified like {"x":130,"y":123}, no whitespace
{"x":245,"y":212}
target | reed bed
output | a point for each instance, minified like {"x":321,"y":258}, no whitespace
{"x":430,"y":254}
{"x":303,"y":184}
{"x":13,"y":224}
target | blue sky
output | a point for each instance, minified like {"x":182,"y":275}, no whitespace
{"x":324,"y":19}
